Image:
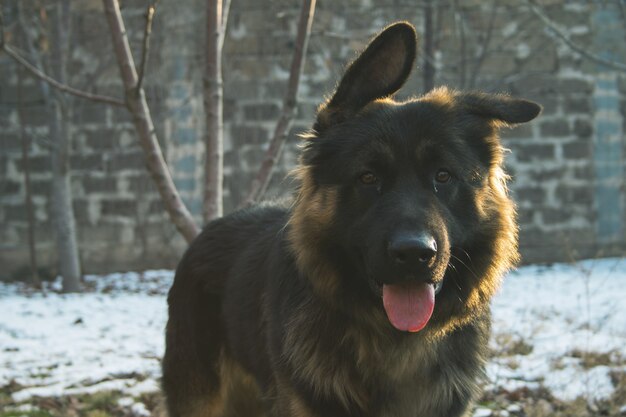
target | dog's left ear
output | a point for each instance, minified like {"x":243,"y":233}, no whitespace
{"x":378,"y":72}
{"x":500,"y":107}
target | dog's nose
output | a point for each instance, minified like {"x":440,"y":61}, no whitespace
{"x":412,"y":250}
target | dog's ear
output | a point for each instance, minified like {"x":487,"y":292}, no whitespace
{"x":500,"y":107}
{"x":378,"y":72}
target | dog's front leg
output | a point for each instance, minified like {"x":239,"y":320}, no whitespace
{"x":289,"y":403}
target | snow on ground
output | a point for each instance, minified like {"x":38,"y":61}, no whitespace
{"x":111,"y":338}
{"x":545,"y":320}
{"x":562,"y":311}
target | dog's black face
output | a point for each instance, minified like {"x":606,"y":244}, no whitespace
{"x":419,"y":187}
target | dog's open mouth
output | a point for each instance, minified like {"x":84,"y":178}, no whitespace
{"x":409,"y":306}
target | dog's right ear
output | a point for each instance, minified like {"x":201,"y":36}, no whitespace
{"x":378,"y":72}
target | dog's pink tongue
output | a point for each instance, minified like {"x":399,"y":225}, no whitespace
{"x":409,"y":306}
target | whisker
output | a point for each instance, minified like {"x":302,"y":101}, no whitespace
{"x":465,"y":265}
{"x":453,"y":276}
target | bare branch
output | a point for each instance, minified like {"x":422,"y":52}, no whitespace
{"x":142,"y":119}
{"x":225,"y":13}
{"x":553,"y":27}
{"x":485,"y":46}
{"x":213,"y":92}
{"x":260,"y":183}
{"x":147,"y":32}
{"x":54,"y":83}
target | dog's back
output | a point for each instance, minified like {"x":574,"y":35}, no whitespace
{"x":198,"y":371}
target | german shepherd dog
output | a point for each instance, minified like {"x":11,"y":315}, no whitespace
{"x":369,"y":295}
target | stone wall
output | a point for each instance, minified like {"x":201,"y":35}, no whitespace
{"x":567,"y":166}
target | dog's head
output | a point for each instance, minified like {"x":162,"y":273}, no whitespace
{"x":403,"y":206}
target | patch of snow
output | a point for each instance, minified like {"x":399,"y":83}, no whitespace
{"x":482,"y":412}
{"x":560,"y":310}
{"x":522,"y":51}
{"x":126,"y":401}
{"x":67,"y":343}
{"x":509,"y":29}
{"x":112,"y":337}
{"x":140,"y":410}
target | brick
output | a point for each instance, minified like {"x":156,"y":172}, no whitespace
{"x":232,"y":159}
{"x":87,"y":162}
{"x":243,"y":89}
{"x":549,"y":103}
{"x":36,"y":116}
{"x":530,"y":194}
{"x":133,"y":160}
{"x":121,"y":115}
{"x":578,"y":105}
{"x":8,"y":187}
{"x":577,"y":150}
{"x":15,"y":213}
{"x":230,"y":109}
{"x":41,"y":187}
{"x":526,"y":216}
{"x":119,"y":207}
{"x":89,"y":113}
{"x":6,"y":114}
{"x":261,"y":112}
{"x":550,"y":216}
{"x":583,"y":173}
{"x":253,"y":135}
{"x":536,"y":84}
{"x":186,"y":135}
{"x":102,"y":139}
{"x":156,"y":207}
{"x":546,"y":174}
{"x":4,"y":165}
{"x":535,"y":152}
{"x":36,"y":163}
{"x":141,"y":184}
{"x":583,"y":128}
{"x":253,"y":158}
{"x":275,"y":89}
{"x":99,"y":184}
{"x":10,"y":142}
{"x":521,"y":131}
{"x":574,"y":194}
{"x":27,"y":94}
{"x":574,"y":85}
{"x":555,"y":128}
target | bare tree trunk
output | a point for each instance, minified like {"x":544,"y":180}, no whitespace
{"x":137,"y":105}
{"x":213,"y":114}
{"x":459,"y":23}
{"x":262,"y":180}
{"x":28,"y":196}
{"x":62,"y":209}
{"x":62,"y":213}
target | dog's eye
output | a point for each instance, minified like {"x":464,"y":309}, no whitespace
{"x":443,"y":176}
{"x":368,"y":178}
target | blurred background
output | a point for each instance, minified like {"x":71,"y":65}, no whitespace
{"x":567,"y":166}
{"x":108,"y":107}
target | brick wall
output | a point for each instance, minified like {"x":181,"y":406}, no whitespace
{"x":567,"y":166}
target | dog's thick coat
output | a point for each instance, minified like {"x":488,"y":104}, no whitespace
{"x":301,"y":311}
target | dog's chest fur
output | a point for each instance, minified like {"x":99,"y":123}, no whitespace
{"x":385,"y":375}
